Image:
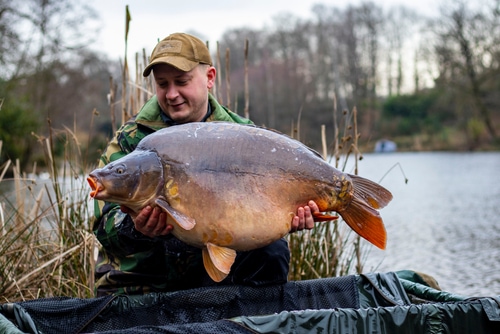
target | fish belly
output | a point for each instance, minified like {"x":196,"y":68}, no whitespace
{"x":243,"y":211}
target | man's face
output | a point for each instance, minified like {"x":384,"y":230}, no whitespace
{"x":183,"y":96}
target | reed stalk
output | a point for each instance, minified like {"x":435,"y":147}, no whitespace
{"x":330,"y":249}
{"x":228,"y":78}
{"x":246,"y":110}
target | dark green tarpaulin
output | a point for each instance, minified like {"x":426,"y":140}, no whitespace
{"x":370,"y":303}
{"x":469,"y":316}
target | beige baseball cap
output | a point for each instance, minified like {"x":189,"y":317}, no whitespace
{"x":183,"y":51}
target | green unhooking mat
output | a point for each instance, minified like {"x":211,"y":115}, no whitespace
{"x":370,"y":303}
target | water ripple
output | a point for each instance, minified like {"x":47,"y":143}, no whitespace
{"x":444,"y":222}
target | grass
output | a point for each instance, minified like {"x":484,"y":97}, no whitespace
{"x":47,"y":246}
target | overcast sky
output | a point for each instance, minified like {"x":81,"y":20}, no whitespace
{"x":155,"y":19}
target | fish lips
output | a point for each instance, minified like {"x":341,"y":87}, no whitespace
{"x":95,"y":185}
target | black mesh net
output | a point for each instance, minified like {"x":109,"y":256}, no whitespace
{"x":368,"y":303}
{"x":205,"y":305}
{"x":201,"y":310}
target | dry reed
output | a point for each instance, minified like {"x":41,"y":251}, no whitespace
{"x":47,"y":246}
{"x":331,"y":248}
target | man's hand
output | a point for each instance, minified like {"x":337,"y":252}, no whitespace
{"x":304,"y":218}
{"x":151,"y":222}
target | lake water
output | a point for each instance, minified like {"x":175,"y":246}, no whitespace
{"x":445,"y":221}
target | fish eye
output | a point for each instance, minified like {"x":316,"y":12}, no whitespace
{"x":120,"y":169}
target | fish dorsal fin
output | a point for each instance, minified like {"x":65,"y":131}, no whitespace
{"x":181,"y":219}
{"x":218,"y":261}
{"x":371,"y":192}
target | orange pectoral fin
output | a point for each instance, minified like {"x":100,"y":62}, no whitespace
{"x":218,"y":261}
{"x":181,"y":219}
{"x":321,"y":217}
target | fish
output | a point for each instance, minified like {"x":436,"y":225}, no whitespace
{"x":228,"y":187}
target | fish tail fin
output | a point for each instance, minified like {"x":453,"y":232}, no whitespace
{"x":371,"y":192}
{"x":361,"y":214}
{"x":217,"y":261}
{"x":366,"y":222}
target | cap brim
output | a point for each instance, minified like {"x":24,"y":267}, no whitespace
{"x":180,"y":63}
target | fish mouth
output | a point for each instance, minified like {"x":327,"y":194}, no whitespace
{"x":95,"y":185}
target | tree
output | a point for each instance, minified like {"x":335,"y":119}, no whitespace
{"x":48,"y":72}
{"x":399,"y":36}
{"x":17,"y":122}
{"x":466,"y":47}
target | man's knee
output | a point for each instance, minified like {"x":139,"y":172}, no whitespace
{"x":262,"y":266}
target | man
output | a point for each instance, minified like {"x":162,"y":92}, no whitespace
{"x":137,"y":254}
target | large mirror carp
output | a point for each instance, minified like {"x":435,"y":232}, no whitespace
{"x":228,"y":187}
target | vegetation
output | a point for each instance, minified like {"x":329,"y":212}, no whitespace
{"x":49,"y":73}
{"x":446,"y":66}
{"x":331,"y":249}
{"x":47,"y":247}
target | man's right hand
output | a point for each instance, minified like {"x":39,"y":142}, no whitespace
{"x":151,"y":222}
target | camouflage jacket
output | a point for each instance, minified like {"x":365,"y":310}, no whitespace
{"x":128,"y":261}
